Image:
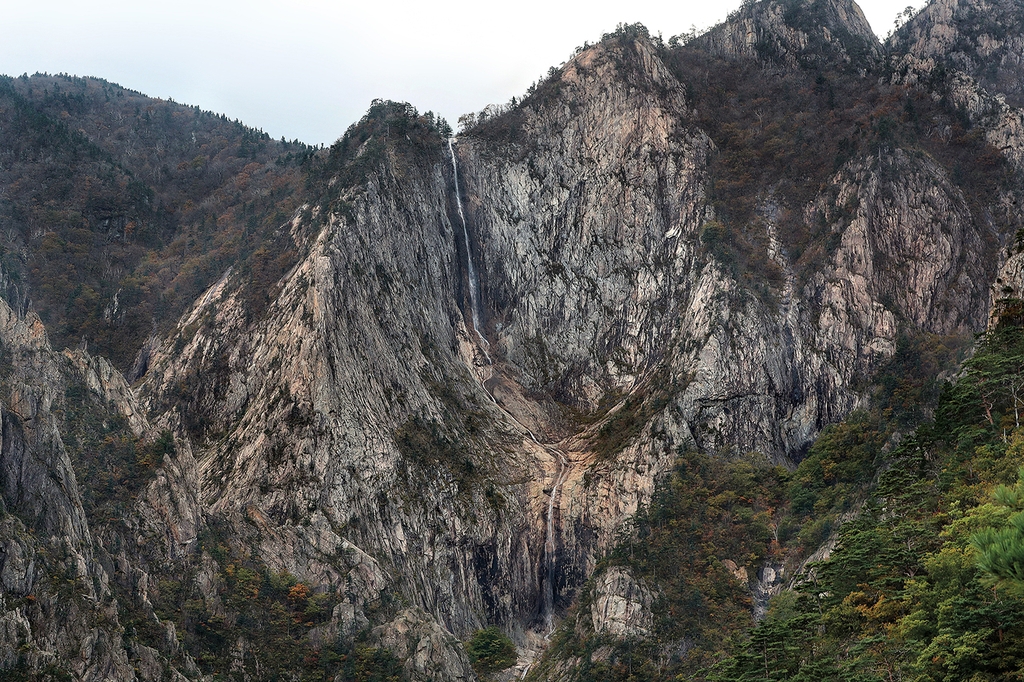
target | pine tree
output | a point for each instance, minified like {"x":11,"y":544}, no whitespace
{"x":1001,"y":550}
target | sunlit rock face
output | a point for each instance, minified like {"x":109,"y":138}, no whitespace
{"x":622,"y":606}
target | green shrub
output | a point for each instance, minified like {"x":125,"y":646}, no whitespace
{"x":490,"y":650}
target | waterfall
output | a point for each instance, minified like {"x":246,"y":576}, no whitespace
{"x":550,"y":549}
{"x":474,"y":283}
{"x":549,"y":543}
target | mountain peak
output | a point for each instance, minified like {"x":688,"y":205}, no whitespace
{"x":982,"y":38}
{"x":796,"y":33}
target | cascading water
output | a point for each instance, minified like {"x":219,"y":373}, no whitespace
{"x":474,"y":283}
{"x":549,"y":543}
{"x":550,"y":550}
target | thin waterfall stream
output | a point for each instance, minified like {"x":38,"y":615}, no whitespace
{"x":550,"y":548}
{"x":474,"y":283}
{"x":549,"y":543}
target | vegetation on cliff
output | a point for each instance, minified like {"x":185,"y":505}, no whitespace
{"x":921,"y":583}
{"x":888,"y":548}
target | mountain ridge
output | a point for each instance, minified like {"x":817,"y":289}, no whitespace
{"x":320,"y":452}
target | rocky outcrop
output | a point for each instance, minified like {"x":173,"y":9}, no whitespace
{"x":57,"y":608}
{"x":969,"y":52}
{"x":104,"y":380}
{"x":983,"y":39}
{"x":771,"y":580}
{"x":38,"y":480}
{"x":584,"y":236}
{"x":796,"y":32}
{"x":908,"y":250}
{"x":1007,"y":292}
{"x":429,"y":651}
{"x":621,"y":605}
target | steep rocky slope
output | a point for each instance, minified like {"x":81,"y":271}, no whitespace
{"x":627,"y":238}
{"x":801,"y":33}
{"x":980,"y":39}
{"x":428,"y":398}
{"x":908,"y":248}
{"x":59,"y":613}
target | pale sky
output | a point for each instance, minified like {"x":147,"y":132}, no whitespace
{"x":307,"y":69}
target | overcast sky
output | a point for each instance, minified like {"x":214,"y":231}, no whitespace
{"x":307,"y":69}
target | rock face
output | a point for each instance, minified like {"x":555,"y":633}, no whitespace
{"x":799,"y":32}
{"x":912,"y":223}
{"x":608,"y":289}
{"x":357,"y":432}
{"x":57,"y":608}
{"x":622,"y":606}
{"x":1008,"y":289}
{"x":429,"y":651}
{"x":981,"y":39}
{"x":969,"y":52}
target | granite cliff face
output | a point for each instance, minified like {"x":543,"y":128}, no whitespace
{"x":59,"y":612}
{"x":801,"y":33}
{"x":483,"y":355}
{"x":980,"y":39}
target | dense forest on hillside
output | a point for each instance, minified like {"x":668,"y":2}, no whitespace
{"x":119,"y":209}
